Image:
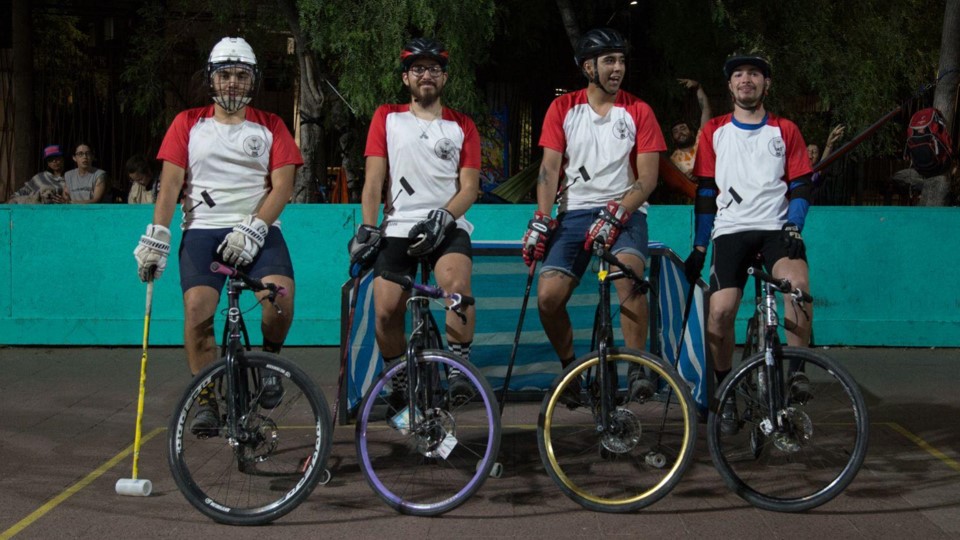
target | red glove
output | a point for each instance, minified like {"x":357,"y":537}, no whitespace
{"x":538,"y":234}
{"x":607,"y":226}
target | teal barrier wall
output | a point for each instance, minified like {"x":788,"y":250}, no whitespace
{"x":882,"y":276}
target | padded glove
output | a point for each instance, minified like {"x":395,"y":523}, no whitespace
{"x":693,"y":266}
{"x":791,"y":239}
{"x":427,"y":235}
{"x":152,"y":251}
{"x":364,"y":247}
{"x":539,"y":230}
{"x":241,"y":246}
{"x":607,"y":226}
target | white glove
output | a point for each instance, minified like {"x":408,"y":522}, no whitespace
{"x":241,"y":246}
{"x":152,"y":251}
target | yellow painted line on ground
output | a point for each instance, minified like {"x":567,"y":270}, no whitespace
{"x":70,"y":491}
{"x":929,"y":448}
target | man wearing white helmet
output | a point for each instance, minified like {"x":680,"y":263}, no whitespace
{"x":236,"y":166}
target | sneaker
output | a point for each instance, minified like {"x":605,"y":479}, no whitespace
{"x":641,"y":388}
{"x":461,"y":391}
{"x":729,"y":419}
{"x":206,"y":423}
{"x":571,"y":395}
{"x":800,"y":392}
{"x":271,"y":389}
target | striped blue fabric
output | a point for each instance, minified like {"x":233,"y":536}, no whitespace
{"x":499,"y":280}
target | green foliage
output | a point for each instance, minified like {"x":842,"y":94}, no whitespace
{"x":360,"y":44}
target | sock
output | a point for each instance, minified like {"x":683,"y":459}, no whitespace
{"x":400,"y":378}
{"x":463,"y":351}
{"x":721,"y":375}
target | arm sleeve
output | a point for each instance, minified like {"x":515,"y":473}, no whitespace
{"x":800,"y":193}
{"x":649,"y":136}
{"x":705,"y":211}
{"x":284,"y":150}
{"x":470,"y":153}
{"x":377,"y":134}
{"x":174,"y":145}
{"x":552,"y":135}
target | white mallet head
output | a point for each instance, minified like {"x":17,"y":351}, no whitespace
{"x":133,"y":487}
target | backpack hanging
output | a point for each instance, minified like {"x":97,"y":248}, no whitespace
{"x":929,"y":147}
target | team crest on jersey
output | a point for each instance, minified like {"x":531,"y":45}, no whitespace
{"x":621,"y":129}
{"x":777,"y":147}
{"x":445,"y":149}
{"x":254,"y":146}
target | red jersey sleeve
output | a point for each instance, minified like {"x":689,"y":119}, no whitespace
{"x":798,"y":162}
{"x":552,"y":135}
{"x":284,"y":150}
{"x":470,"y":153}
{"x":705,"y":163}
{"x":377,"y":134}
{"x":175,"y":142}
{"x":649,"y":136}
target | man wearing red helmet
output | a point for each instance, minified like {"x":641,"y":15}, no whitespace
{"x":753,"y":196}
{"x":604,"y":143}
{"x":429,"y":158}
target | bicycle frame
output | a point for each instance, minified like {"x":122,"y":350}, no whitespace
{"x":233,"y":357}
{"x":422,"y":324}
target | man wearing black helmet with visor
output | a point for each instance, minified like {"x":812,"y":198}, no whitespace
{"x":753,"y":195}
{"x":428,"y":156}
{"x":601,"y":149}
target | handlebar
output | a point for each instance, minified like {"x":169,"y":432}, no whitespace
{"x":252,"y":283}
{"x":601,"y":251}
{"x":782,"y":285}
{"x":407,"y":283}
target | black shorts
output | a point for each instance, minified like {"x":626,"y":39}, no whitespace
{"x":734,"y":253}
{"x":198,"y":249}
{"x":393,"y":253}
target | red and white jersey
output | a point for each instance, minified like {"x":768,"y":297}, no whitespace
{"x":231,"y":162}
{"x":753,"y":165}
{"x":424,"y":160}
{"x":600,"y":152}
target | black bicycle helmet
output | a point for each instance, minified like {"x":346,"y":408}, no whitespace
{"x":424,"y":48}
{"x":737,"y":59}
{"x":597,"y":42}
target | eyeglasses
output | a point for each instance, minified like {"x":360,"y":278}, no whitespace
{"x":84,"y":154}
{"x":435,"y":71}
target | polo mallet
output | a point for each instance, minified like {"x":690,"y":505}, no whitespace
{"x":516,"y":339}
{"x":138,"y":487}
{"x":676,"y":362}
{"x":355,"y":292}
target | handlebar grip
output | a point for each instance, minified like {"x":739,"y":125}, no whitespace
{"x":218,"y":268}
{"x":467,"y":300}
{"x":805,"y":297}
{"x":400,"y":279}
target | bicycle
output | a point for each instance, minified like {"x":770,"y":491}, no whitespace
{"x":271,"y":447}
{"x":801,"y":427}
{"x":607,"y":447}
{"x":423,"y":449}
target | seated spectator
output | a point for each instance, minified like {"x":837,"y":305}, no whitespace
{"x":86,"y":184}
{"x":144,"y":183}
{"x":46,"y":187}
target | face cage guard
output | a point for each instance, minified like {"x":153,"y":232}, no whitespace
{"x":234,"y":103}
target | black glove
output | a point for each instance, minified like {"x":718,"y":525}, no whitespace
{"x":693,"y":266}
{"x":427,"y":235}
{"x":792,"y":241}
{"x":364,"y":247}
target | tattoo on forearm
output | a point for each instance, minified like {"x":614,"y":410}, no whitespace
{"x":544,"y":177}
{"x":637,"y":187}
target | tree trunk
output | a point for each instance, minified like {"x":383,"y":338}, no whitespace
{"x":936,"y":190}
{"x":24,"y":123}
{"x":569,"y":22}
{"x":310,"y":111}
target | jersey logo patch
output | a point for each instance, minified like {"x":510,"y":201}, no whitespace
{"x":777,"y":147}
{"x":621,"y":130}
{"x":446,"y":149}
{"x":254,"y":146}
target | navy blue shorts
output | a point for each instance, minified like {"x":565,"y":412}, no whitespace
{"x":198,"y":249}
{"x":565,"y":252}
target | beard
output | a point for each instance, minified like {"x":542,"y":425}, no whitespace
{"x":425,"y":98}
{"x":685,"y":142}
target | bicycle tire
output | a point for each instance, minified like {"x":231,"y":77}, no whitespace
{"x":439,"y":463}
{"x":640,"y":459}
{"x":254,"y":482}
{"x":811,"y":463}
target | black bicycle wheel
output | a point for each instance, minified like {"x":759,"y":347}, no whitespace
{"x":643,"y":453}
{"x":275,"y":463}
{"x":432,"y":461}
{"x":814,"y":456}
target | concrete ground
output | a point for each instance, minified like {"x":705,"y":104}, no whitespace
{"x":67,"y":418}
